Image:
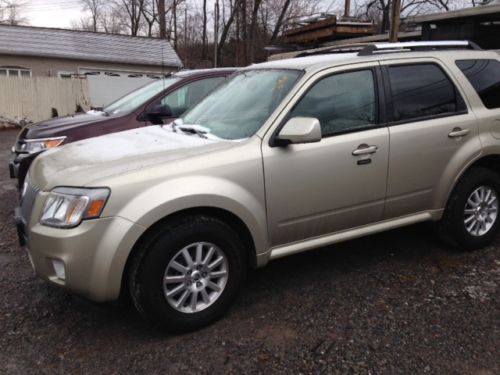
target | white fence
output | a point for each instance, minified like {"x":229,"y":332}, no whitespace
{"x":34,"y":98}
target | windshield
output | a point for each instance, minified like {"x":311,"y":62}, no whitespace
{"x":131,"y":101}
{"x":238,"y":108}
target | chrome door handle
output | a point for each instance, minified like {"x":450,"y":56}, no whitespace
{"x":365,"y":149}
{"x":458,"y":132}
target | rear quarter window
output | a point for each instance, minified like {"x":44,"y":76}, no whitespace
{"x":484,"y":76}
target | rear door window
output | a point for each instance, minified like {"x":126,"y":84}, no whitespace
{"x":421,"y":91}
{"x":484,"y":76}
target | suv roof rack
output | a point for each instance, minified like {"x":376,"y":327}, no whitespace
{"x":418,"y":46}
{"x":367,"y":49}
{"x":344,"y":48}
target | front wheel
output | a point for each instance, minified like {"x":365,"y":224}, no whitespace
{"x":470,"y":220}
{"x":186,"y":275}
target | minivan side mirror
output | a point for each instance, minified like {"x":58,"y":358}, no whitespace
{"x":158,"y":112}
{"x":299,"y":130}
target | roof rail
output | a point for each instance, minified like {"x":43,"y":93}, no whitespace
{"x":343,"y":48}
{"x":417,"y":46}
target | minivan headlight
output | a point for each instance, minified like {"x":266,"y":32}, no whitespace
{"x":41,"y":144}
{"x":66,"y":207}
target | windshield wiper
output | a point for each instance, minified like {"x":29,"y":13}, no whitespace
{"x":199,"y":130}
{"x":191,"y":129}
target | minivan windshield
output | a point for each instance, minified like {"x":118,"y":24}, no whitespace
{"x":238,"y":108}
{"x":136,"y":98}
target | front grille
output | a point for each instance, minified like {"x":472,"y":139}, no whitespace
{"x":29,"y":193}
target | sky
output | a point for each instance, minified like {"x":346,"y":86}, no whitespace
{"x":52,"y":13}
{"x":60,"y":13}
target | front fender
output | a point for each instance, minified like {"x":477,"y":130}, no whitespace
{"x":177,"y":194}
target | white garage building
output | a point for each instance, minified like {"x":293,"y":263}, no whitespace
{"x":113,"y":64}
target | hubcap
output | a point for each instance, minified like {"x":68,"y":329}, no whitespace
{"x":195,"y":277}
{"x":481,"y":211}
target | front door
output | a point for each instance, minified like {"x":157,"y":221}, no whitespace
{"x":338,"y":183}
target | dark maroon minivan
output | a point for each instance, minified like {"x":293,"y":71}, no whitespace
{"x":159,"y":102}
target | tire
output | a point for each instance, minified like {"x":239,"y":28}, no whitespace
{"x":154,"y":262}
{"x":453,"y":227}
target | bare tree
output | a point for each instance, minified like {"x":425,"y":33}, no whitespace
{"x":11,"y":12}
{"x":253,"y":28}
{"x":84,"y":23}
{"x":133,"y":9}
{"x":235,"y":6}
{"x":151,"y":14}
{"x":95,"y":7}
{"x":279,"y":22}
{"x":174,"y":20}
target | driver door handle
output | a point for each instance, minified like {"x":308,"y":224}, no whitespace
{"x":365,"y":149}
{"x":458,"y":132}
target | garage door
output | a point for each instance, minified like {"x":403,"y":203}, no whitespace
{"x":107,"y":86}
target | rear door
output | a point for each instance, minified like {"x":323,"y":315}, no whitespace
{"x":431,"y":129}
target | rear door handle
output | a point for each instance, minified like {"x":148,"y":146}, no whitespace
{"x":365,"y":149}
{"x":458,"y":132}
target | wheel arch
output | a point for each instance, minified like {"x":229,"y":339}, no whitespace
{"x":228,"y":217}
{"x":490,"y":161}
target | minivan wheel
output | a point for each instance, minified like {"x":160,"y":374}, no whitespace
{"x":186,"y":275}
{"x":470,"y":220}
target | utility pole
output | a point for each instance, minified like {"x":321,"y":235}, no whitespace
{"x":216,"y":31}
{"x":185,"y":27}
{"x":395,"y":20}
{"x":347,"y":8}
{"x":174,"y":14}
{"x":161,"y":12}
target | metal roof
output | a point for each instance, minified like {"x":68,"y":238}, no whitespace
{"x":86,"y":45}
{"x":461,"y":13}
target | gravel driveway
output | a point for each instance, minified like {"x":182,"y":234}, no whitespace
{"x":396,"y":302}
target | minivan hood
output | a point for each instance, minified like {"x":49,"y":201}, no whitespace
{"x":60,"y":125}
{"x":79,"y":163}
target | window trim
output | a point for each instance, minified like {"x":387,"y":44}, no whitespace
{"x":7,"y":70}
{"x":380,"y":117}
{"x":390,"y":102}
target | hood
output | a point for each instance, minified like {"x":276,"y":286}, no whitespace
{"x":60,"y":125}
{"x":80,"y":163}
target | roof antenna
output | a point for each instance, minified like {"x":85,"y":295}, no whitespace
{"x":162,"y":65}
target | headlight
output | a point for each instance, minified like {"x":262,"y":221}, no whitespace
{"x":66,"y":207}
{"x":41,"y":144}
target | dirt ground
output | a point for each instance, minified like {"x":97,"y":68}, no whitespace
{"x":397,"y":302}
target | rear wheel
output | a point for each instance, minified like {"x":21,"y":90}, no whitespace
{"x":187,"y":274}
{"x":470,"y":220}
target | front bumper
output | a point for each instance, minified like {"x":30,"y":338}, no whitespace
{"x":93,"y":255}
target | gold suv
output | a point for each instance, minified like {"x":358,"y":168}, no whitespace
{"x":285,"y":157}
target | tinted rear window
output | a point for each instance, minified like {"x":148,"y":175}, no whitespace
{"x":484,"y":76}
{"x":422,"y":90}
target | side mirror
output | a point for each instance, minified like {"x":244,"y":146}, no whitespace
{"x":159,"y":111}
{"x":299,"y":130}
